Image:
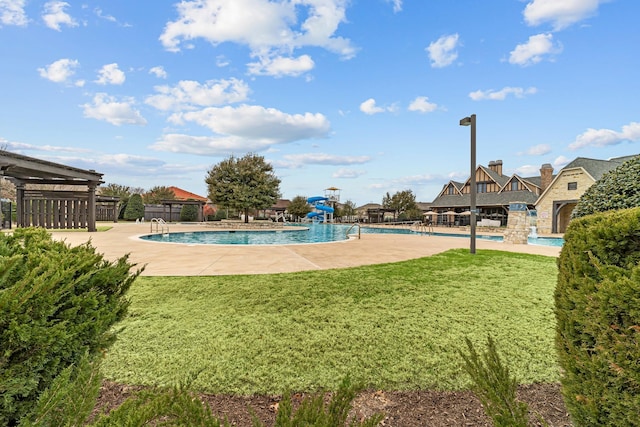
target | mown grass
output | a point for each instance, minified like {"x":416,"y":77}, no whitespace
{"x":392,"y":326}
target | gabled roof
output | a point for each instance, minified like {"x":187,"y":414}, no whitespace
{"x":457,"y":185}
{"x":596,"y":168}
{"x":186,"y":195}
{"x":526,"y":182}
{"x":484,"y":199}
{"x":369,"y":206}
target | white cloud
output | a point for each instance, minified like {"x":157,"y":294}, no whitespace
{"x":560,"y":13}
{"x":528,"y":170}
{"x":443,"y":52}
{"x":347,"y":173}
{"x":271,"y":29}
{"x":397,"y":5}
{"x":281,"y":66}
{"x":241,"y":129}
{"x":110,"y":74}
{"x":422,"y":105}
{"x":107,"y":108}
{"x":293,"y":161}
{"x":190,"y":94}
{"x":54,"y":15}
{"x":100,"y":14}
{"x":560,"y":162}
{"x":502,"y":94}
{"x":369,"y":107}
{"x":20,"y":147}
{"x":605,"y":137}
{"x":538,"y":150}
{"x":59,"y":71}
{"x":159,"y":72}
{"x":12,"y":13}
{"x":222,"y":61}
{"x":534,"y":50}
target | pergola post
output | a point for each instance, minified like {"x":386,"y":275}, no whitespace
{"x":20,"y":204}
{"x":91,"y":207}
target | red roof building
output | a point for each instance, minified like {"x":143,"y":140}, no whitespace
{"x":186,"y":195}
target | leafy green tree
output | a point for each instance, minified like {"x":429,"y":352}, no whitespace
{"x":135,"y":208}
{"x":157,"y":194}
{"x":189,"y":213}
{"x":348,"y":210}
{"x":123,"y":192}
{"x":616,"y":189}
{"x":243,"y":183}
{"x":400,"y":202}
{"x":299,"y":207}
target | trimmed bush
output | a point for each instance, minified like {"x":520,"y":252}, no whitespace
{"x":189,"y":213}
{"x":598,"y":318}
{"x":616,"y":189}
{"x":134,"y":209}
{"x":58,"y":305}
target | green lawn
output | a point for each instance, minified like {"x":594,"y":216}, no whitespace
{"x":393,"y":326}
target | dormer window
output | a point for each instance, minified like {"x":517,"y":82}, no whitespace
{"x":514,"y":185}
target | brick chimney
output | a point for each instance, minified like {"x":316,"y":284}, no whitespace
{"x":546,"y":175}
{"x":498,"y":167}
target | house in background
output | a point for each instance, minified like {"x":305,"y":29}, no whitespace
{"x":556,"y":203}
{"x":169,"y":209}
{"x":494,"y":192}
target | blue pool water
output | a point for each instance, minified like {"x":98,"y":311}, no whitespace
{"x":309,"y":233}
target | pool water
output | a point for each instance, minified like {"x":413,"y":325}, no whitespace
{"x":308,"y":233}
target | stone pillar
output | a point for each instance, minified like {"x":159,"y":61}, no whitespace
{"x":517,"y":231}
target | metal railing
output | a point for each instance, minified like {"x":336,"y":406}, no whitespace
{"x":354,"y":225}
{"x":421,"y":227}
{"x":160,"y":225}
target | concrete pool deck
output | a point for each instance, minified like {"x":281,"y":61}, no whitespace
{"x":168,"y":259}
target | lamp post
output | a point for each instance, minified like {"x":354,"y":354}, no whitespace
{"x":471,"y":121}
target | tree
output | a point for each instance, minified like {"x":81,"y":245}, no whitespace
{"x":299,"y":207}
{"x":243,"y":183}
{"x":123,"y":192}
{"x":157,"y":194}
{"x":348,"y":210}
{"x":400,"y":202}
{"x":189,"y":213}
{"x":616,"y":189}
{"x":135,"y":208}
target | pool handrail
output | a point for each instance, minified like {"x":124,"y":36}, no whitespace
{"x":354,"y":225}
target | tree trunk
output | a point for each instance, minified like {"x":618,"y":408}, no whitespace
{"x":246,"y":215}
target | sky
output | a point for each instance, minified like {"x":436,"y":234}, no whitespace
{"x":362,"y":95}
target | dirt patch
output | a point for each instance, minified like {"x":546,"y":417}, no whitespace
{"x":401,"y":409}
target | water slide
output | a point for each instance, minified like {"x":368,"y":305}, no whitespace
{"x":321,"y":208}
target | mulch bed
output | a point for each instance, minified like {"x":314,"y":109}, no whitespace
{"x":401,"y":409}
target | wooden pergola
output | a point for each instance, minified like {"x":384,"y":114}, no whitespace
{"x":51,"y":195}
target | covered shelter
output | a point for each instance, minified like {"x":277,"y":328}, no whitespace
{"x":51,"y":195}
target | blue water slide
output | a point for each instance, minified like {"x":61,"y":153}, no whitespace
{"x":314,"y":214}
{"x":324,"y":208}
{"x":316,"y":199}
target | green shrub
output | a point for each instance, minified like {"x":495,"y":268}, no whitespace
{"x":597,"y":302}
{"x":314,"y":412}
{"x":616,"y":189}
{"x":57,"y":304}
{"x":189,"y":213}
{"x":134,"y":209}
{"x":494,"y":386}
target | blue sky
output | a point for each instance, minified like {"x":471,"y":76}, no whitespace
{"x":363,"y":95}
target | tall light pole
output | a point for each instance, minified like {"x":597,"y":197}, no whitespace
{"x":471,"y":121}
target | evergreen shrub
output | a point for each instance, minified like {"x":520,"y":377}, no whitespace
{"x":135,"y":208}
{"x":597,"y":302}
{"x":616,"y":189}
{"x":57,"y":305}
{"x":189,"y":213}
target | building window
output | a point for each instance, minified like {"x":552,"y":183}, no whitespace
{"x":451,"y":190}
{"x":481,"y":187}
{"x":514,"y":185}
{"x":572,"y":186}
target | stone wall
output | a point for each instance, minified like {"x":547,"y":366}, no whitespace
{"x":241,"y":225}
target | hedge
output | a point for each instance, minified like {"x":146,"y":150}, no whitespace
{"x":597,"y":301}
{"x":57,"y":305}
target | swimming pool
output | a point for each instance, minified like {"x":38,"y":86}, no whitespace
{"x":302,"y":234}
